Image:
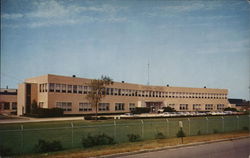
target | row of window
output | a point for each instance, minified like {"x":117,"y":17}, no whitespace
{"x":8,"y":105}
{"x":67,"y":106}
{"x":197,"y":107}
{"x":80,"y":89}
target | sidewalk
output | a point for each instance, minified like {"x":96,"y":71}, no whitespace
{"x":23,"y":119}
{"x":170,"y":147}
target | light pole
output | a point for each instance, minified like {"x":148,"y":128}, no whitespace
{"x":223,"y":126}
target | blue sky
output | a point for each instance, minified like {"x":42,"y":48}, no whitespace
{"x":192,"y":43}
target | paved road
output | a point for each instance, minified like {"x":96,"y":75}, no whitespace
{"x":227,"y":149}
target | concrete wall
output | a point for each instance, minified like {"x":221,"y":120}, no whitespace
{"x":21,"y":93}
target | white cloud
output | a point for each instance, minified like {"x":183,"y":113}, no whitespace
{"x":52,"y":12}
{"x":49,"y":9}
{"x":12,"y":16}
{"x":171,"y":9}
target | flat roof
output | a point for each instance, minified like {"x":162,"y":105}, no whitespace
{"x":129,"y":84}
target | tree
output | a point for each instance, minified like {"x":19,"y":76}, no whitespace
{"x":168,"y":109}
{"x":97,"y":91}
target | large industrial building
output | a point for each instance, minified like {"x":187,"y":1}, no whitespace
{"x":69,"y":93}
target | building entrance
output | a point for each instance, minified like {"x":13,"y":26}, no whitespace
{"x":154,"y":106}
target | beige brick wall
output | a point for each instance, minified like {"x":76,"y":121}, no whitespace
{"x":49,"y":99}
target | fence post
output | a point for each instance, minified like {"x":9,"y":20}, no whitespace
{"x":72,"y":134}
{"x":168,"y":127}
{"x":189,"y":127}
{"x":238,"y":122}
{"x":114,"y":130}
{"x":223,"y":127}
{"x":207,"y":124}
{"x":21,"y":138}
{"x":142,"y":128}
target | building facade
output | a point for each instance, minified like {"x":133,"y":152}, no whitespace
{"x":8,"y":101}
{"x":69,"y":93}
{"x":240,"y":104}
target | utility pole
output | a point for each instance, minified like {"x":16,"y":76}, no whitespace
{"x":148,"y":73}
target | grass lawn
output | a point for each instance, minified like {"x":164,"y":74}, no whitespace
{"x":23,"y":141}
{"x":136,"y":146}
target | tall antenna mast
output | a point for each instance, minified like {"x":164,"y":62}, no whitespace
{"x":148,"y":73}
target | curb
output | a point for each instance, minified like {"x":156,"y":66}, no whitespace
{"x":169,"y":147}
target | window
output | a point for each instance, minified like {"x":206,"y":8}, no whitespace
{"x":58,"y":86}
{"x":80,"y":89}
{"x":40,"y":87}
{"x":45,"y":87}
{"x":183,"y":106}
{"x":103,"y":91}
{"x":103,"y":107}
{"x":64,"y":88}
{"x":133,"y":92}
{"x":126,"y":92}
{"x":66,"y":106}
{"x":74,"y":88}
{"x":220,"y":106}
{"x":156,"y":94}
{"x":85,"y":89}
{"x":51,"y":87}
{"x":139,"y":93}
{"x":119,"y":106}
{"x":131,"y":106}
{"x":85,"y":107}
{"x":107,"y":91}
{"x":209,"y":107}
{"x":116,"y":91}
{"x":196,"y":106}
{"x":69,"y":88}
{"x":6,"y":106}
{"x":14,"y":105}
{"x":129,"y":92}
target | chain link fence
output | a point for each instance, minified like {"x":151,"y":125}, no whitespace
{"x":21,"y":138}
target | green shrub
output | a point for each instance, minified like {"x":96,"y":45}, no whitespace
{"x":5,"y":151}
{"x":141,"y":110}
{"x":245,"y":128}
{"x":159,"y":135}
{"x":199,"y":132}
{"x":94,"y":118}
{"x":133,"y":137}
{"x":168,"y":109}
{"x":215,"y":131}
{"x":47,"y":146}
{"x":44,"y":112}
{"x":102,"y":118}
{"x":180,"y":133}
{"x":88,"y":118}
{"x":96,"y":140}
{"x":230,"y":109}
